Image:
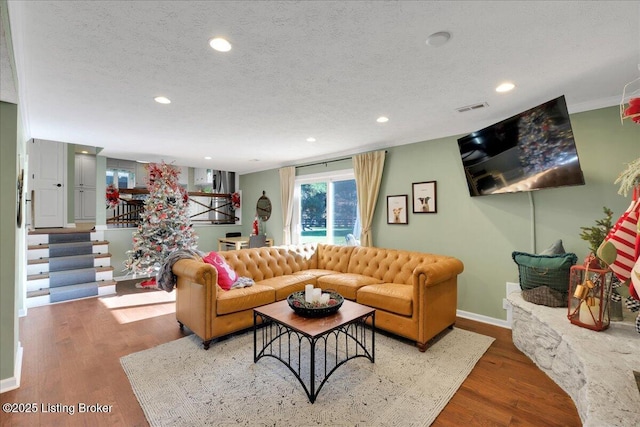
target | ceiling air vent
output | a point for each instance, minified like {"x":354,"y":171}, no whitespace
{"x":472,"y":107}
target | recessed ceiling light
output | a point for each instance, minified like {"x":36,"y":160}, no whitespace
{"x":143,"y":161}
{"x":311,"y":139}
{"x":207,"y":157}
{"x":84,"y":152}
{"x":162,"y":100}
{"x":220,"y":44}
{"x":382,"y":119}
{"x":438,"y":39}
{"x":505,"y":87}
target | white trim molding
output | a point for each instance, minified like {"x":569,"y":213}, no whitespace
{"x":13,"y":382}
{"x":483,"y":319}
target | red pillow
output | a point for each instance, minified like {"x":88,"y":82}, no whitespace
{"x":226,"y":276}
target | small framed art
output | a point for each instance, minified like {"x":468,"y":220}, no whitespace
{"x":424,"y":197}
{"x":397,"y":209}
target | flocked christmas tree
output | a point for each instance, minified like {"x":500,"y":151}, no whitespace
{"x":164,"y":224}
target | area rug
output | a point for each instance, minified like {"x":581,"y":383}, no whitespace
{"x":180,"y":384}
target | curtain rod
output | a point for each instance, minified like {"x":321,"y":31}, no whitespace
{"x":329,"y":161}
{"x":324,"y":163}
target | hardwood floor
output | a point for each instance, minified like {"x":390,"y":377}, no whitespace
{"x":72,"y":352}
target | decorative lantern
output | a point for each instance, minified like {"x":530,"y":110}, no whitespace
{"x":590,"y":297}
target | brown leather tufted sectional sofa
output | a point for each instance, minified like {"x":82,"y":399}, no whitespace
{"x":414,"y":294}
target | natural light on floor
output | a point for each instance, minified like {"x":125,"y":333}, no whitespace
{"x":139,"y":306}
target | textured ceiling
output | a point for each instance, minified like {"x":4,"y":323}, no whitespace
{"x":88,"y":72}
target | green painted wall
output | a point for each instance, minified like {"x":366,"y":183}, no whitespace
{"x":9,"y":278}
{"x":483,"y":231}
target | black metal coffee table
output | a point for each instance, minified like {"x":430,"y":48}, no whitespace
{"x":313,"y":348}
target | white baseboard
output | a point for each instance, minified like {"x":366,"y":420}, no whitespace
{"x":510,"y":287}
{"x":484,"y":319}
{"x":13,"y":382}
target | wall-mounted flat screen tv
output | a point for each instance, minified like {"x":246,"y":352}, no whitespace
{"x":529,"y":151}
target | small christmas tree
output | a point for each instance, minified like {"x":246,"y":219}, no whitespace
{"x":164,"y":225}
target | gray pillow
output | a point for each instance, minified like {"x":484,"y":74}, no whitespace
{"x":555,"y":249}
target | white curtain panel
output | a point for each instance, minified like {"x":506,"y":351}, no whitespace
{"x":368,"y":168}
{"x":287,"y":186}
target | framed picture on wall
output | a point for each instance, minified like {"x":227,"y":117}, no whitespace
{"x":397,"y":209}
{"x":424,"y":197}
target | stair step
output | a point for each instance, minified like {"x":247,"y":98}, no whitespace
{"x":48,"y":275}
{"x":71,"y":277}
{"x":70,"y":237}
{"x":42,"y":265}
{"x":68,"y":292}
{"x":37,"y":237}
{"x":45,"y":250}
{"x":67,"y":264}
{"x":85,"y":290}
{"x":46,"y":260}
{"x":47,"y":245}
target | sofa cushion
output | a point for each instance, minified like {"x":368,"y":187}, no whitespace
{"x":346,"y":284}
{"x":335,"y":258}
{"x":286,"y":285}
{"x":244,"y":298}
{"x":389,"y":265}
{"x":316,"y":272}
{"x":267,"y":262}
{"x":393,"y":297}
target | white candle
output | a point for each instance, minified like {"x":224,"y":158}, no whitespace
{"x":324,"y":298}
{"x":586,"y":312}
{"x":308,"y":293}
{"x":317,"y":292}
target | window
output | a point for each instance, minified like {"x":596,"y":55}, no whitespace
{"x":121,"y":178}
{"x":326,"y":208}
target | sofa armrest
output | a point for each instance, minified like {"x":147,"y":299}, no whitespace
{"x":435,"y":291}
{"x":195,"y":271}
{"x":433,"y":273}
{"x":196,"y":295}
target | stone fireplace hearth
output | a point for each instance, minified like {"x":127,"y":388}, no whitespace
{"x":594,"y":368}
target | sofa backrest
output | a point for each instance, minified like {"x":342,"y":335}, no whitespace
{"x":267,"y":262}
{"x":333,"y":257}
{"x":388,"y":265}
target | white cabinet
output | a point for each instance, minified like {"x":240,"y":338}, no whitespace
{"x":183,"y":178}
{"x":202,"y":176}
{"x":85,"y":171}
{"x":85,"y":204}
{"x":142,"y":175}
{"x":85,"y":187}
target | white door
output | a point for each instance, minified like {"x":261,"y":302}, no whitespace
{"x":48,"y":182}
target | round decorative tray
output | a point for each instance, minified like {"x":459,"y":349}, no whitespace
{"x":302,"y":308}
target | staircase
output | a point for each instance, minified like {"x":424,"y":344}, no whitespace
{"x":66,"y":264}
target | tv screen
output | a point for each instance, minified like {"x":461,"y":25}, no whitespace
{"x":529,"y":151}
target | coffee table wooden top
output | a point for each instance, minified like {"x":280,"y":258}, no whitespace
{"x":314,"y":326}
